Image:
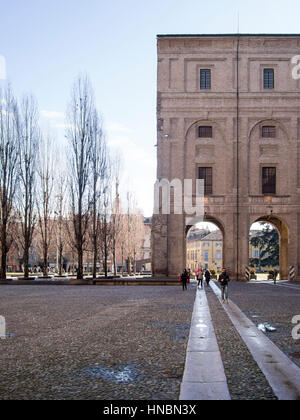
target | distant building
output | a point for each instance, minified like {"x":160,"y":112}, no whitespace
{"x":144,"y":263}
{"x":205,"y":251}
{"x":228,"y":114}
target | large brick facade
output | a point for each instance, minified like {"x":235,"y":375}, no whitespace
{"x":236,"y":106}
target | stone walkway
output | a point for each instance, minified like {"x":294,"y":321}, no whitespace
{"x":271,"y":363}
{"x":204,"y":377}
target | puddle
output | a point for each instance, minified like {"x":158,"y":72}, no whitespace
{"x":7,"y":335}
{"x":176,"y":331}
{"x":120,"y":374}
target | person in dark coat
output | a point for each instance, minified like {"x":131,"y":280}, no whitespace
{"x":189,"y":275}
{"x":224,"y":280}
{"x":184,"y":279}
{"x":207,"y":277}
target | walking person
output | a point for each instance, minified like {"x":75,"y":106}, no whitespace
{"x":189,"y":275}
{"x":224,"y":280}
{"x":184,"y":279}
{"x":275,"y":276}
{"x":200,"y":278}
{"x":207,"y":276}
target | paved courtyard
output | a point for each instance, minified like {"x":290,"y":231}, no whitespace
{"x":94,"y":342}
{"x":129,"y":342}
{"x":276,"y":304}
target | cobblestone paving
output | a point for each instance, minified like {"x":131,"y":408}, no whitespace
{"x":245,"y":379}
{"x":274,"y":304}
{"x":94,"y":342}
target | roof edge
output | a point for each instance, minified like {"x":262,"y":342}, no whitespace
{"x":225,"y":35}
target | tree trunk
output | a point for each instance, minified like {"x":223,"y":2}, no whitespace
{"x":115,"y":261}
{"x":60,"y":250}
{"x":129,"y":266}
{"x":26,"y":262}
{"x":105,"y":257}
{"x":3,"y":262}
{"x":3,"y":251}
{"x":134,"y":264}
{"x":80,"y":264}
{"x":95,"y":257}
{"x":122,"y":269}
{"x":45,"y":261}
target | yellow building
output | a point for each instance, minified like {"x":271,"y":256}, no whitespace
{"x":205,"y":251}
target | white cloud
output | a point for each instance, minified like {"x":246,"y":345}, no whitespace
{"x":52,"y":115}
{"x":120,"y":141}
{"x":63,"y":125}
{"x":115,"y":127}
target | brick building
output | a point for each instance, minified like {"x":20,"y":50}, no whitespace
{"x":229,"y":113}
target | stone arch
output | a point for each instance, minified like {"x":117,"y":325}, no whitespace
{"x":203,"y":121}
{"x":269,"y":121}
{"x":284,"y":239}
{"x":268,"y":152}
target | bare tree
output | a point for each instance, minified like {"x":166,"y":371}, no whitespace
{"x":9,"y":172}
{"x":105,"y":228}
{"x":99,"y":166}
{"x":28,"y":144}
{"x":45,"y":198}
{"x":116,"y":217}
{"x":59,"y":220}
{"x":80,"y":115}
{"x":135,"y":232}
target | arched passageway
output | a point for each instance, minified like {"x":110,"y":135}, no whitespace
{"x":283,"y":232}
{"x":205,"y":244}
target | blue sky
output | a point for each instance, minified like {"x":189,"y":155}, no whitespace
{"x":47,"y":43}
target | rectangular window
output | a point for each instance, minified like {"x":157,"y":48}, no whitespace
{"x":269,"y":132}
{"x":206,"y":174}
{"x":218,"y":255}
{"x":205,"y":79}
{"x":206,"y":256}
{"x":205,"y":132}
{"x":268,"y":78}
{"x":269,"y":181}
